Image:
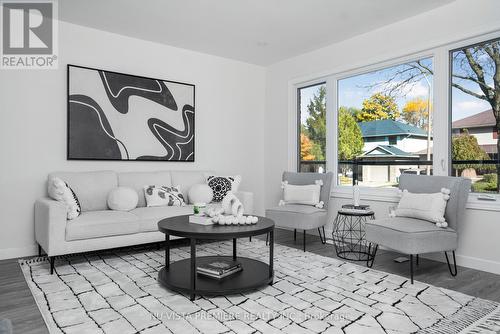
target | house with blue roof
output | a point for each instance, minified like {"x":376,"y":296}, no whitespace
{"x":397,"y":137}
{"x":390,"y":140}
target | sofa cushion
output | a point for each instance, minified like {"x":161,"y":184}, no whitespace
{"x":91,"y":188}
{"x":186,"y":179}
{"x":138,"y":180}
{"x":410,"y":235}
{"x":95,"y":224}
{"x":150,"y":216}
{"x":304,"y":217}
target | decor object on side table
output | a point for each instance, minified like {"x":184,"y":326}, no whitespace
{"x":356,"y":194}
{"x":105,"y":123}
{"x":349,"y":233}
{"x":412,"y":236}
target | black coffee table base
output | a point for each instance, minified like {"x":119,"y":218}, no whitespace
{"x":181,"y":275}
{"x":255,"y":274}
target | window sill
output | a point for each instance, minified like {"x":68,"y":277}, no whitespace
{"x":390,"y":195}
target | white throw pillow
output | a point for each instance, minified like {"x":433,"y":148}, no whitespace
{"x":304,"y":194}
{"x":221,"y":185}
{"x":200,"y":193}
{"x":61,"y":192}
{"x":163,"y":196}
{"x":123,"y":199}
{"x":430,"y":207}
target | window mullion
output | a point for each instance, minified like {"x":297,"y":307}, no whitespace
{"x":441,"y":117}
{"x":331,"y":125}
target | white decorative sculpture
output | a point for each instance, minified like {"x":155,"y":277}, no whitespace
{"x":232,"y":205}
{"x":231,"y":212}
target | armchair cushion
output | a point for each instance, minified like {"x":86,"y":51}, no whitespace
{"x":410,"y":235}
{"x":296,"y":216}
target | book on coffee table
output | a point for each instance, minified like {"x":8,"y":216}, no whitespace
{"x":225,"y":274}
{"x":219,"y":268}
{"x":200,"y":219}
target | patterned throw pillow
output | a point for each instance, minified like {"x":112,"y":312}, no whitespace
{"x":163,"y":196}
{"x":61,"y":192}
{"x":221,"y":185}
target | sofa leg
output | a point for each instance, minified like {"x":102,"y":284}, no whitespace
{"x":304,"y":240}
{"x":295,"y":235}
{"x":452,"y":272}
{"x":267,"y":238}
{"x":417,"y":259}
{"x":39,"y":250}
{"x":51,"y":260}
{"x":411,"y":268}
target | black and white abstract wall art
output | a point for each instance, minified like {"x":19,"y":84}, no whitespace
{"x":116,"y":116}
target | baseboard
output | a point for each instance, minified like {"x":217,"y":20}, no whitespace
{"x":11,"y":253}
{"x":469,"y":262}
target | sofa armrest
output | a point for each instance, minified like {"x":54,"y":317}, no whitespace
{"x":50,"y":224}
{"x":246,"y":198}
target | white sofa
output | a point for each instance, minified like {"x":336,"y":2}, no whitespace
{"x":98,"y":227}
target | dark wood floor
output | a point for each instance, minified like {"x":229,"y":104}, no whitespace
{"x":18,"y":305}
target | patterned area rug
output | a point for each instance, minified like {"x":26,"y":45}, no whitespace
{"x":117,"y":292}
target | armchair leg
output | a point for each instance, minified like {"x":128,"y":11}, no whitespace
{"x":411,"y":268}
{"x":322,"y":237}
{"x":417,"y":260}
{"x":51,"y":260}
{"x":267,"y":238}
{"x":304,"y":240}
{"x":39,"y":250}
{"x":452,"y":272}
{"x":371,"y":255}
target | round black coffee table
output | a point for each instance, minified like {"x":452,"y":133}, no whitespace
{"x":181,"y":275}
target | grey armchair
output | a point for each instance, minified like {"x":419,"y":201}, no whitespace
{"x":414,"y":236}
{"x":304,"y":217}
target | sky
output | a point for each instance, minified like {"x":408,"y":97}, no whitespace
{"x":353,"y":90}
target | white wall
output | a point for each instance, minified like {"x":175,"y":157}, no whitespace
{"x":230,"y":102}
{"x":479,"y":246}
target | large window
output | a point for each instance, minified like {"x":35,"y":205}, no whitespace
{"x":312,"y":128}
{"x":475,"y":113}
{"x":385,"y":124}
{"x":394,"y":119}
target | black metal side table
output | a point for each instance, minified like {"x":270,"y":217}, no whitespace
{"x":349,"y":235}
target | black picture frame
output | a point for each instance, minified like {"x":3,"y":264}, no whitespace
{"x":71,"y":156}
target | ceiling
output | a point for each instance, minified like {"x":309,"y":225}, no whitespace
{"x":255,"y":31}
